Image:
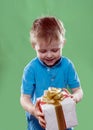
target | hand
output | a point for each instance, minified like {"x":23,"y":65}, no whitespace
{"x":74,"y":97}
{"x":68,"y":94}
{"x":39,"y":115}
{"x":77,"y":94}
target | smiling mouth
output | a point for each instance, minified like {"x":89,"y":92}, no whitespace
{"x":49,"y":60}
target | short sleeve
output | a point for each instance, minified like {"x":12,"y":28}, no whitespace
{"x":73,"y":79}
{"x":28,"y":81}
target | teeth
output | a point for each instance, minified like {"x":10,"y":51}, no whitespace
{"x":49,"y":59}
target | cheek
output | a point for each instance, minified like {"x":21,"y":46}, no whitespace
{"x":59,"y":53}
{"x":40,"y":55}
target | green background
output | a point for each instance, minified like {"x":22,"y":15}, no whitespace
{"x":16,"y":17}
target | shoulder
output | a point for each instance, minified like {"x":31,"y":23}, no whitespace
{"x":32,"y":64}
{"x":66,"y":61}
{"x":67,"y":64}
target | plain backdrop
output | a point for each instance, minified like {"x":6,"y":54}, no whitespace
{"x":16,"y":18}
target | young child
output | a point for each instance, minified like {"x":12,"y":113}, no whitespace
{"x":48,"y":69}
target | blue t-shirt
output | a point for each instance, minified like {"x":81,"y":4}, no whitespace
{"x":38,"y":77}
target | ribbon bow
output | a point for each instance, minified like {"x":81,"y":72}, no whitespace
{"x":54,"y":95}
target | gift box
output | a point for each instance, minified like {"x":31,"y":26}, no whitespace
{"x":59,"y":115}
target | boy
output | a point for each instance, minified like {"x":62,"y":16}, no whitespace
{"x":49,"y":68}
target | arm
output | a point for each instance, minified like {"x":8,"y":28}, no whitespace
{"x":73,"y":81}
{"x":77,"y":94}
{"x":32,"y":109}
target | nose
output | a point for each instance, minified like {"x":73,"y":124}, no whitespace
{"x":49,"y":54}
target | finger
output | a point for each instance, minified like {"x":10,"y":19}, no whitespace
{"x":64,"y":89}
{"x":38,"y":104}
{"x":42,"y":125}
{"x":42,"y":122}
{"x":39,"y":114}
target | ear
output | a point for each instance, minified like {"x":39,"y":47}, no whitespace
{"x":64,"y":42}
{"x":33,"y":46}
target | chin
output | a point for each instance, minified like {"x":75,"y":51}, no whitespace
{"x":50,"y":64}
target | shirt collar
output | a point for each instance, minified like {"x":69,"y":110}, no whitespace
{"x":60,"y":60}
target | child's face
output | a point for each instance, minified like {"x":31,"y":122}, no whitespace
{"x":50,"y":53}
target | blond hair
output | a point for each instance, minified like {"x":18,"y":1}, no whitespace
{"x":47,"y":28}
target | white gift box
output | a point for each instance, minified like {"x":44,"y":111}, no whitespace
{"x":60,"y":117}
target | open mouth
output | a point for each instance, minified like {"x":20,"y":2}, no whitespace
{"x":49,"y":60}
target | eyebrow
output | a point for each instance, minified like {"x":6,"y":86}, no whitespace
{"x":50,"y":49}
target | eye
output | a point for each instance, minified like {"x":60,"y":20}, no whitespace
{"x":42,"y":51}
{"x":55,"y":50}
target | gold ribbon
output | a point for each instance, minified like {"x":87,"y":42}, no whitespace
{"x":55,"y":96}
{"x":60,"y":117}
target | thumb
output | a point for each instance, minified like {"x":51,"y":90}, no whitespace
{"x":38,"y":104}
{"x":64,"y":89}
